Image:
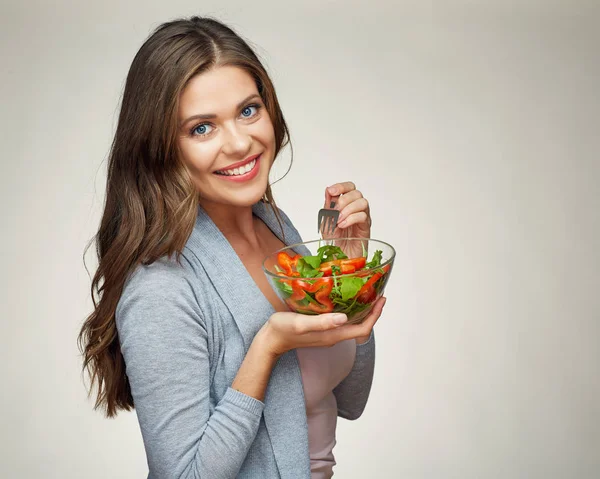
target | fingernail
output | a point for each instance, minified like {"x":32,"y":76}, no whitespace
{"x":332,"y":190}
{"x":342,"y":223}
{"x":339,"y":318}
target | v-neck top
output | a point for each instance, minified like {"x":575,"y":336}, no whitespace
{"x":184,"y":329}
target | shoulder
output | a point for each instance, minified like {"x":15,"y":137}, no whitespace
{"x":163,"y":276}
{"x":158,"y":292}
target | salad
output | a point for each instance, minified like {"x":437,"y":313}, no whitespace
{"x":340,"y":284}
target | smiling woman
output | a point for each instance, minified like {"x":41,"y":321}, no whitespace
{"x":234,"y":143}
{"x":225,"y":379}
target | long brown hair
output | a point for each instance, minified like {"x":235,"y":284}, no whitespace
{"x":151,"y":203}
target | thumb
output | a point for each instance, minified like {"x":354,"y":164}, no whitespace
{"x":322,"y":322}
{"x":327,"y":198}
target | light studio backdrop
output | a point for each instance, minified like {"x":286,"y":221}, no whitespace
{"x":472,"y":127}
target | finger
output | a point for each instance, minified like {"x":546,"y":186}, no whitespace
{"x":356,"y":206}
{"x":347,"y":199}
{"x":329,"y":198}
{"x":322,"y":322}
{"x":361,"y":219}
{"x":375,"y":313}
{"x":363,"y":329}
{"x":341,"y":188}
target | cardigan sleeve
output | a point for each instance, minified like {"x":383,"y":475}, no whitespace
{"x":353,"y":392}
{"x":164,"y":343}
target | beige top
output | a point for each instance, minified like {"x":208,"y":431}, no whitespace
{"x":322,"y":370}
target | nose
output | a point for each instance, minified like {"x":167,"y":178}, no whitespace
{"x":236,"y":142}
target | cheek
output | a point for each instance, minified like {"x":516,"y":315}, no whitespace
{"x":198,"y":156}
{"x":266,"y":131}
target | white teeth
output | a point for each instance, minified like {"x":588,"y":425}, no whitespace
{"x":238,"y":171}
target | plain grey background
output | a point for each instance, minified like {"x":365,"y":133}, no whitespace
{"x":472,"y":127}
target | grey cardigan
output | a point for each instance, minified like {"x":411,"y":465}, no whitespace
{"x":184,"y":331}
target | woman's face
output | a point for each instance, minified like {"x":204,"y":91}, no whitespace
{"x":226,"y":137}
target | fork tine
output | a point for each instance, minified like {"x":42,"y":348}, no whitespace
{"x":323,"y":222}
{"x":327,"y":219}
{"x":331,"y":224}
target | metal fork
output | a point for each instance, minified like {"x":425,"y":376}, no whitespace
{"x":328,"y":219}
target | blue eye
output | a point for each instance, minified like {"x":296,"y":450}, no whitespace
{"x":250,"y":111}
{"x":203,"y":129}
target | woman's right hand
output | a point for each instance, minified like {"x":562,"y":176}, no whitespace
{"x":286,"y":331}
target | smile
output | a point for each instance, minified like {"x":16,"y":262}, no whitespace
{"x":243,"y":172}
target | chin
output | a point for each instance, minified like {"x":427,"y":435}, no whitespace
{"x":254,"y":196}
{"x":241,"y":197}
{"x":249,"y":194}
{"x":246,"y":200}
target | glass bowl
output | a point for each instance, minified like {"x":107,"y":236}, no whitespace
{"x":339,"y":275}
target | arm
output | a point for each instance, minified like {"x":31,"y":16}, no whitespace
{"x":164,"y":343}
{"x":353,"y":392}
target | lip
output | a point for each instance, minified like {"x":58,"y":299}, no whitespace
{"x":240,"y":163}
{"x":246,"y":176}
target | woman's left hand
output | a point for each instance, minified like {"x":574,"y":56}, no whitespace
{"x":355,"y":216}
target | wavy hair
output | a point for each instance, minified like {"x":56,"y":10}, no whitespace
{"x":151,"y":203}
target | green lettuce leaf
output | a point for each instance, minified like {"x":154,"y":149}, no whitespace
{"x":349,"y":287}
{"x":306,"y":270}
{"x":313,"y":261}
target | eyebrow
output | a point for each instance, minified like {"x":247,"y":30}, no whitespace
{"x":210,"y":116}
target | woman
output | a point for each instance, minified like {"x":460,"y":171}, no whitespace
{"x":225,"y":380}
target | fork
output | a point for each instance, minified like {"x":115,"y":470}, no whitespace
{"x":328,"y":218}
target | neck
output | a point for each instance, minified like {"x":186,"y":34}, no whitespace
{"x":237,"y":223}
